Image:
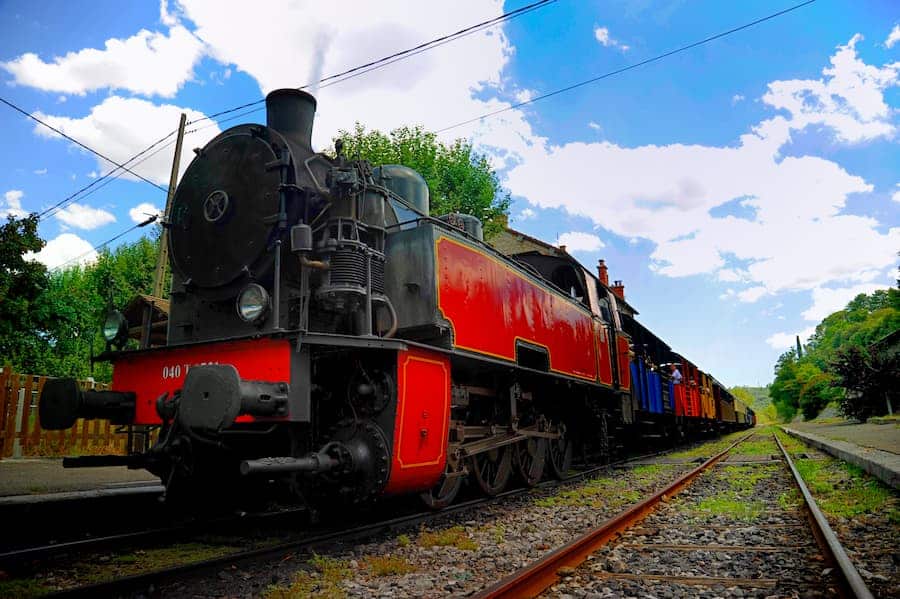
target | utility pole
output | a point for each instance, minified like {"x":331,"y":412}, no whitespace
{"x":162,"y":260}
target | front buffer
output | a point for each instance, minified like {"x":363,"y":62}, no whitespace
{"x":328,"y":420}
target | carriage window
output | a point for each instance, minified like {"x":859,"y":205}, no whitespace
{"x":566,"y":278}
{"x":604,"y":311}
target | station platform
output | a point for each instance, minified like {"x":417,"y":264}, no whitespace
{"x":873,"y":447}
{"x":38,"y":476}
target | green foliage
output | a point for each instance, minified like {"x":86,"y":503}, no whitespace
{"x":22,"y":282}
{"x":870,"y":375}
{"x":53,"y":321}
{"x":78,"y":299}
{"x":759,"y":399}
{"x":837,"y":365}
{"x":459,"y":179}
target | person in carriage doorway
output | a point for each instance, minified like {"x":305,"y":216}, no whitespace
{"x":675,"y":374}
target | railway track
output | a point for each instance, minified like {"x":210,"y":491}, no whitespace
{"x":19,"y":557}
{"x":688,"y":545}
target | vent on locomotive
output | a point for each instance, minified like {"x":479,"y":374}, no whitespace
{"x":266,"y":234}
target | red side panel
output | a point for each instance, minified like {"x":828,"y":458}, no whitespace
{"x":604,"y":355}
{"x":491,"y":305}
{"x":422,"y":424}
{"x":624,"y":361}
{"x":154,"y":373}
{"x":692,"y":390}
{"x":680,"y":401}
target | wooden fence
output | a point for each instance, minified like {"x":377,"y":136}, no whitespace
{"x":21,"y":434}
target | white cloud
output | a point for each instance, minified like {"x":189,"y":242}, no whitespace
{"x":594,"y":126}
{"x":789,"y":340}
{"x":798,"y":238}
{"x":752,"y":294}
{"x":40,"y":171}
{"x":737,"y":98}
{"x":602,"y":35}
{"x":13,"y":204}
{"x":125,"y":126}
{"x":576,"y":241}
{"x":143,"y":211}
{"x":66,"y":250}
{"x":524,"y":95}
{"x":527,"y":214}
{"x":165,"y":17}
{"x":828,"y":300}
{"x":731,"y":275}
{"x":84,"y":217}
{"x":896,"y":195}
{"x":849,"y":100}
{"x":434,"y":88}
{"x":893,"y":37}
{"x":148,"y":63}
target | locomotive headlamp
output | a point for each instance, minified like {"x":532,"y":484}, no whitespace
{"x":115,"y":328}
{"x":253,"y":303}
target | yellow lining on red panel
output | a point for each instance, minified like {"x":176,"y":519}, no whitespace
{"x":402,"y":408}
{"x":437,"y":286}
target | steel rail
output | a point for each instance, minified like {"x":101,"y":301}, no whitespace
{"x":145,"y":580}
{"x":538,"y":576}
{"x":174,"y":532}
{"x":33,"y":553}
{"x":851,"y":582}
{"x":70,"y":497}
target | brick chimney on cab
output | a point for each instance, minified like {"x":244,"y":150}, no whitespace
{"x":602,"y":272}
{"x":619,"y":289}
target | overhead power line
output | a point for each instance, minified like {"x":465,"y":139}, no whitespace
{"x":390,"y":59}
{"x":96,"y":185}
{"x":656,"y":58}
{"x":76,"y":142}
{"x":96,"y":248}
{"x":329,"y":80}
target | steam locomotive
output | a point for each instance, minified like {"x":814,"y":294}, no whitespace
{"x":327,"y":333}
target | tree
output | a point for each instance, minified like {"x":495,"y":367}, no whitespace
{"x":22,"y":281}
{"x":837,"y":366}
{"x":868,"y":376}
{"x":817,"y":392}
{"x":784,"y":390}
{"x":77,"y":299}
{"x":459,"y":178}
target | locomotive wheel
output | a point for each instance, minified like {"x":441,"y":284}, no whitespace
{"x":530,"y":456}
{"x":444,"y":492}
{"x":559,"y":453}
{"x":492,"y":469}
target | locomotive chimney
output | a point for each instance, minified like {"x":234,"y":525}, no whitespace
{"x":602,"y":272}
{"x":619,"y":289}
{"x":291,"y":113}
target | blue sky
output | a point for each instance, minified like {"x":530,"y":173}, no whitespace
{"x":742,"y":190}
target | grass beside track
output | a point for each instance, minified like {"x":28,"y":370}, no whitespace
{"x":842,"y":490}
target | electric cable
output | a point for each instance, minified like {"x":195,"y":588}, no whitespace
{"x":627,"y":68}
{"x":329,"y":80}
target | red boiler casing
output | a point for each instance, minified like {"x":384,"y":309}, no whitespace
{"x":491,"y":306}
